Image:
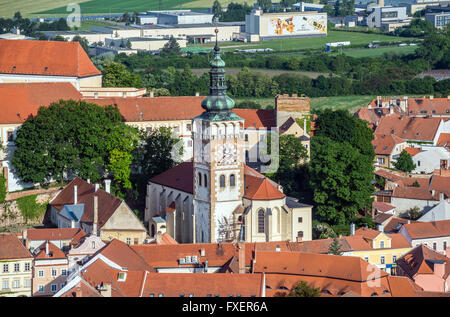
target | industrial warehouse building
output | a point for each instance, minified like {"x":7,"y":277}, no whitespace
{"x":268,"y":26}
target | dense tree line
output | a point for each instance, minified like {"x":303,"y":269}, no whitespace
{"x":29,"y":28}
{"x":234,"y":11}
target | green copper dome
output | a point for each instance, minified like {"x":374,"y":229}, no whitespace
{"x":218,"y":105}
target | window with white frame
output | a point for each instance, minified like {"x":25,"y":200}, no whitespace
{"x":27,"y":267}
{"x":5,"y":268}
{"x":41,"y":273}
{"x":54,"y":288}
{"x":128,"y":241}
{"x":16,"y":283}
{"x":41,"y":289}
{"x":63,"y":272}
{"x":394,"y":258}
{"x":5,"y":284}
{"x":54,"y":272}
{"x":382,"y":259}
{"x":381,"y":244}
{"x":27,"y":283}
{"x":16,"y":267}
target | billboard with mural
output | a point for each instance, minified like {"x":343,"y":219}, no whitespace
{"x":297,"y":24}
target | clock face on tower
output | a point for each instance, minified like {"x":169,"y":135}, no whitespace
{"x":226,"y":154}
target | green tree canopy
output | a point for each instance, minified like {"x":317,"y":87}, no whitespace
{"x":154,"y":154}
{"x":335,"y":247}
{"x":74,"y":138}
{"x":341,"y":167}
{"x":171,"y":47}
{"x":303,"y":289}
{"x":404,"y":162}
{"x":117,"y":75}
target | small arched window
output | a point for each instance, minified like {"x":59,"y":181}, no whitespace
{"x":232,"y":180}
{"x":205,"y":180}
{"x":222,"y":181}
{"x":200,"y":179}
{"x":261,"y":221}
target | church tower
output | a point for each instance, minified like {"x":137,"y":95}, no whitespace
{"x":218,"y":158}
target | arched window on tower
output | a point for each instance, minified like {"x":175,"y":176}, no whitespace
{"x":222,"y":181}
{"x":232,"y":180}
{"x":199,"y":179}
{"x":261,"y":221}
{"x":205,"y":180}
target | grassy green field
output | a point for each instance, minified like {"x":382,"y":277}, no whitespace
{"x":302,"y":43}
{"x":350,"y":103}
{"x":121,"y":6}
{"x":375,"y":52}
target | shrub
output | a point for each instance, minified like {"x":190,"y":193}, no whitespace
{"x":29,"y":208}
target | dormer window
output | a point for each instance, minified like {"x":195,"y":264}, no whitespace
{"x":381,"y":244}
{"x":122,"y":277}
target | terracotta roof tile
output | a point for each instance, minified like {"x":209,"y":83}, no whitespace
{"x":382,"y":207}
{"x":12,"y":248}
{"x":20,"y":101}
{"x":124,"y":255}
{"x":384,"y":144}
{"x":55,"y":234}
{"x":444,"y":140}
{"x":107,"y":203}
{"x":419,"y":230}
{"x":45,"y":58}
{"x":310,"y":264}
{"x":178,"y":108}
{"x":54,"y":252}
{"x":203,"y":285}
{"x":413,"y":150}
{"x":257,"y":186}
{"x":417,"y":128}
{"x":435,"y":106}
{"x":418,"y":261}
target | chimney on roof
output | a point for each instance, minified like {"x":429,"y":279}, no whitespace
{"x":94,"y":226}
{"x":202,"y":252}
{"x":299,"y":239}
{"x":378,"y":101}
{"x":241,"y":258}
{"x":152,"y":94}
{"x":108,"y":186}
{"x":197,"y":94}
{"x":304,"y":126}
{"x":380,"y":227}
{"x":441,"y":196}
{"x":432,"y":192}
{"x":88,"y":181}
{"x":96,"y":187}
{"x":105,"y":289}
{"x":431,"y":97}
{"x":77,"y":292}
{"x":75,"y":194}
{"x":46,"y":248}
{"x":439,"y":269}
{"x":352,"y":229}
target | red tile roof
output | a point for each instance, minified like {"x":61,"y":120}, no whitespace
{"x":384,"y":144}
{"x":45,"y":58}
{"x":12,"y":248}
{"x":54,"y":252}
{"x":418,"y":128}
{"x":444,"y":140}
{"x":320,"y":265}
{"x":260,"y":118}
{"x":178,"y":108}
{"x":107,"y":203}
{"x":440,"y":184}
{"x":52,"y":234}
{"x":420,"y":230}
{"x":413,"y":150}
{"x":203,"y":285}
{"x":373,"y":115}
{"x":82,"y":289}
{"x":382,"y":207}
{"x":418,"y":261}
{"x":257,"y":186}
{"x":435,"y":106}
{"x":124,"y":255}
{"x":20,"y":101}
